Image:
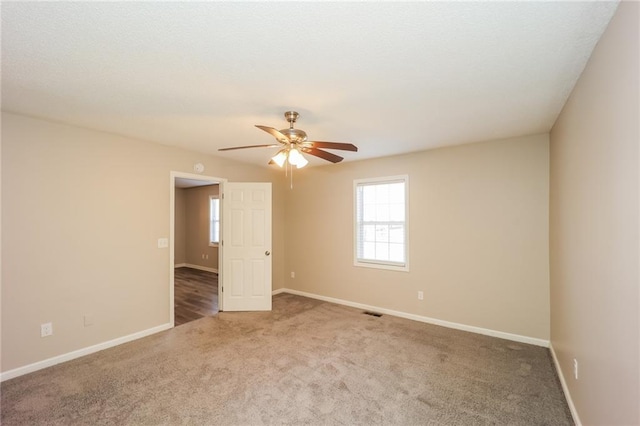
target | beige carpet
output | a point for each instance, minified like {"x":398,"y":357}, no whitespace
{"x":307,"y":362}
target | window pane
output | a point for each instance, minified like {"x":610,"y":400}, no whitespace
{"x":396,"y":193}
{"x":214,"y":218}
{"x":396,"y":252}
{"x":382,"y":213}
{"x":382,"y":233}
{"x":369,"y":213}
{"x":382,"y":193}
{"x":214,"y":232}
{"x":369,"y":251}
{"x":368,"y":194}
{"x":396,"y":234}
{"x":382,"y":251}
{"x":369,"y":233}
{"x":214,"y":211}
{"x":396,"y":212}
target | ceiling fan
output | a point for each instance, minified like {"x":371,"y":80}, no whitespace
{"x":293,"y":142}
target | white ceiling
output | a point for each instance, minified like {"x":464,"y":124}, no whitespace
{"x":388,"y":77}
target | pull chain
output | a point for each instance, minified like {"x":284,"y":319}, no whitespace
{"x":291,"y":185}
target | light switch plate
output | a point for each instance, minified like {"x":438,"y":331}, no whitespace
{"x":163,"y":242}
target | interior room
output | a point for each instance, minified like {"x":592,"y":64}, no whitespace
{"x":196,"y":249}
{"x":320,"y":213}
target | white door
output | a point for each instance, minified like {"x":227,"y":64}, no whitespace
{"x":246,"y":249}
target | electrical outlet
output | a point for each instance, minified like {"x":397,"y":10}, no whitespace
{"x":575,"y":368}
{"x":293,"y":274}
{"x":88,"y":320}
{"x":420,"y":295}
{"x":46,"y":329}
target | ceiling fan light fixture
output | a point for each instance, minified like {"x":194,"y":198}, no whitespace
{"x":303,"y":162}
{"x":297,"y":159}
{"x":280,"y":157}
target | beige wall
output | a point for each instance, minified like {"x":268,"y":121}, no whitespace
{"x":81,"y":215}
{"x":197,"y":227}
{"x":180,"y":227}
{"x":594,"y":230}
{"x":478,"y":235}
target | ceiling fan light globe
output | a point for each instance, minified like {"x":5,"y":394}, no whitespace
{"x":280,"y":158}
{"x":295,"y":157}
{"x":302,"y":162}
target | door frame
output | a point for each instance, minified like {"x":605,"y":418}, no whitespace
{"x":172,"y":213}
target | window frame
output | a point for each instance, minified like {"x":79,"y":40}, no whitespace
{"x":381,"y":264}
{"x":212,"y":221}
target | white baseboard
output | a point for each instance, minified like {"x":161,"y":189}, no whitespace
{"x":191,"y":265}
{"x":448,"y":324}
{"x":80,"y":352}
{"x":278,"y":291}
{"x":565,"y":388}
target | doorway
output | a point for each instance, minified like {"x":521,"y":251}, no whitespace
{"x":194,"y":247}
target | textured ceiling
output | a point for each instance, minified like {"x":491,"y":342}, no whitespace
{"x":388,"y":77}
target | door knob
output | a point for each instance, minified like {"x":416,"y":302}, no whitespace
{"x":267,"y":253}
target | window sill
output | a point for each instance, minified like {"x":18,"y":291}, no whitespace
{"x":385,"y":266}
{"x":213,"y":244}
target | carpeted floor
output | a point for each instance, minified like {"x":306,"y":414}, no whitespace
{"x":306,"y":362}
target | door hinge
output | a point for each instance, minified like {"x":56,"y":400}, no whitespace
{"x":223,"y":195}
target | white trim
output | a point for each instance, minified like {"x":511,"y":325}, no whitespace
{"x":278,"y":291}
{"x":565,"y":388}
{"x":81,"y":352}
{"x":428,"y":320}
{"x":381,"y":265}
{"x":191,"y":265}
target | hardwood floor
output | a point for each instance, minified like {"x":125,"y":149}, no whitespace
{"x":195,"y":294}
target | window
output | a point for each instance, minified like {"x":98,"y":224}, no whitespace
{"x":381,"y":222}
{"x":214,"y":220}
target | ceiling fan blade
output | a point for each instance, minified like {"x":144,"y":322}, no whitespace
{"x":334,"y":145}
{"x":275,"y":133}
{"x":322,"y":154}
{"x":248,"y":146}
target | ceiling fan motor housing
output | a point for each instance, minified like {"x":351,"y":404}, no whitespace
{"x":295,"y":135}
